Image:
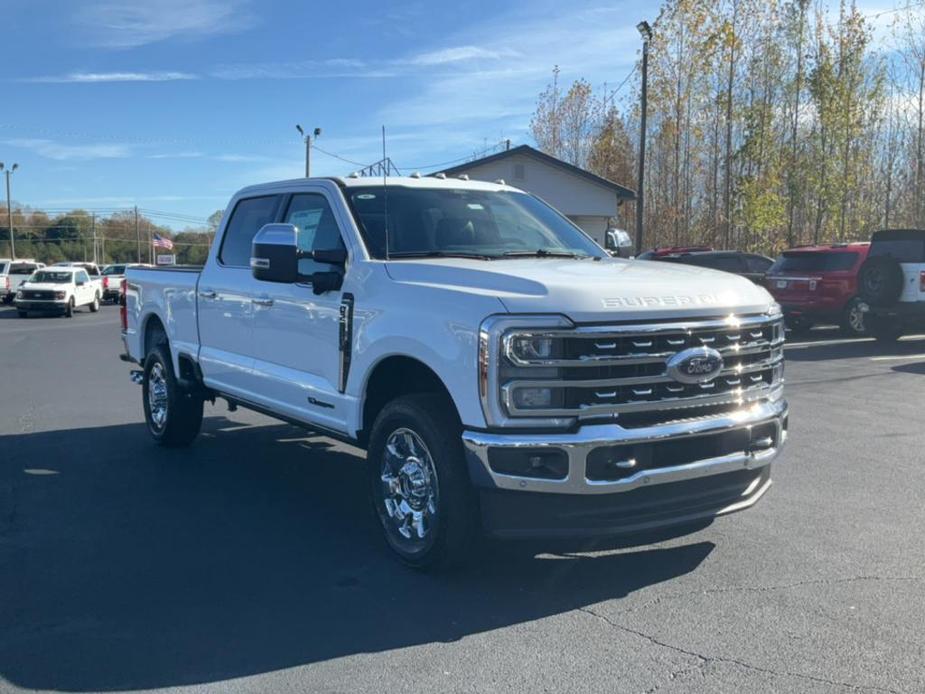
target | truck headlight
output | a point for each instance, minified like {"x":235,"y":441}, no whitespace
{"x":531,"y":348}
{"x":516,"y":349}
{"x":60,"y":295}
{"x":19,"y":294}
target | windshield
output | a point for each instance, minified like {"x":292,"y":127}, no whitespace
{"x":51,"y":276}
{"x":114,"y":270}
{"x":814,"y":262}
{"x":469,"y":223}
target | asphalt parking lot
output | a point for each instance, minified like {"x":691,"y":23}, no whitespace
{"x":250,"y":562}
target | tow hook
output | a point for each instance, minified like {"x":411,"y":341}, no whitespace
{"x":137,"y":376}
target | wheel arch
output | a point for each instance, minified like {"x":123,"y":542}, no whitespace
{"x":394,"y":376}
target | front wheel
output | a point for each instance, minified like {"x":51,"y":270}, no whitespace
{"x":95,"y":304}
{"x":420,"y":486}
{"x":173,"y":415}
{"x":853,"y":318}
{"x":23,"y":314}
{"x":69,"y":309}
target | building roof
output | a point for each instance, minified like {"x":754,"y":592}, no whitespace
{"x":621,"y":191}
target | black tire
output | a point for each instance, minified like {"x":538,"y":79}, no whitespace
{"x":182,"y":415}
{"x":884,"y":329}
{"x":69,"y":309}
{"x":451,"y":529}
{"x":95,"y":304}
{"x":880,"y":281}
{"x":853,"y":321}
{"x":23,"y":314}
{"x":799,"y":326}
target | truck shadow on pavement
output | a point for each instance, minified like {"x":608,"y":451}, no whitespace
{"x":127,"y":566}
{"x":853,"y":349}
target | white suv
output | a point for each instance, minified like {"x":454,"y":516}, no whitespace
{"x":57,"y":290}
{"x":892,"y":283}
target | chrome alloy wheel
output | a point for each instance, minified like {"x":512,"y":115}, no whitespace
{"x":409,"y":485}
{"x":157,"y":395}
{"x":856,"y":318}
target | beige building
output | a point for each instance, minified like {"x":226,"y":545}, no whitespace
{"x":591,"y":202}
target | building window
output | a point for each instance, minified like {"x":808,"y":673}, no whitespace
{"x":519,"y":173}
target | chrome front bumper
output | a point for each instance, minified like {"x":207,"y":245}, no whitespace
{"x":577,"y":446}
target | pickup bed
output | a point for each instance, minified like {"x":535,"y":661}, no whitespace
{"x":504,"y":374}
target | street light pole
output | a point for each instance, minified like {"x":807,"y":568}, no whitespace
{"x":308,"y":147}
{"x":9,"y":206}
{"x":646,"y":32}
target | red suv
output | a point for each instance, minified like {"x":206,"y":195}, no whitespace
{"x":819,"y":284}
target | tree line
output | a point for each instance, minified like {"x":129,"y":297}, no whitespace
{"x":119,"y":237}
{"x":771,"y":123}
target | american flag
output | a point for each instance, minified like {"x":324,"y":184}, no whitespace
{"x":161,"y":242}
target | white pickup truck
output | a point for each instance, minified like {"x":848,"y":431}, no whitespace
{"x":503,"y":373}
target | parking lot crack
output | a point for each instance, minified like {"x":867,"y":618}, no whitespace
{"x":705,"y":660}
{"x":772,"y":588}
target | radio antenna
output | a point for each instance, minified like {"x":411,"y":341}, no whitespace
{"x":385,"y":193}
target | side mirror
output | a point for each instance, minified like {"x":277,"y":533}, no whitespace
{"x":275,"y":253}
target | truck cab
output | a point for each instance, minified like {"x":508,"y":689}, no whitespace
{"x":504,"y":373}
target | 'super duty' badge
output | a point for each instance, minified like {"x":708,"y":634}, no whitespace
{"x":696,"y":365}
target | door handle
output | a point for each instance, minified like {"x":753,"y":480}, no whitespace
{"x":207,"y":294}
{"x":262,"y":302}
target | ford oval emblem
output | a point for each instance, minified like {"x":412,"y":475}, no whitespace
{"x":696,"y":365}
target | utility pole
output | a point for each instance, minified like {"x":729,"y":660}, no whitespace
{"x":9,"y":206}
{"x":646,"y":32}
{"x":93,"y":233}
{"x":137,"y":234}
{"x":308,"y":147}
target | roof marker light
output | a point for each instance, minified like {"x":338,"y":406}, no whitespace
{"x":416,"y":174}
{"x":441,"y":175}
{"x":463,"y":177}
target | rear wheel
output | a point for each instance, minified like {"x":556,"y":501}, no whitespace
{"x":853,"y":318}
{"x":173,"y":415}
{"x":420,"y":486}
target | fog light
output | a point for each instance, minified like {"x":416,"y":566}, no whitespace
{"x":532,"y":398}
{"x":541,"y":463}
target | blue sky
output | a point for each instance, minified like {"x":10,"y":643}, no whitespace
{"x":174,"y":104}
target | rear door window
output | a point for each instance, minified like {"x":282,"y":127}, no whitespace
{"x":727,"y":263}
{"x":248,"y":216}
{"x":814,"y":262}
{"x":758,"y":263}
{"x":903,"y":250}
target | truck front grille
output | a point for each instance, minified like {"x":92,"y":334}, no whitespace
{"x":33,"y":294}
{"x":612,"y":370}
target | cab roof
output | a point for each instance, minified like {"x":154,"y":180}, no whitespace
{"x":431,"y":182}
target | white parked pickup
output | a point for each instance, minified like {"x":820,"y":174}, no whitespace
{"x":57,"y":289}
{"x":504,"y":374}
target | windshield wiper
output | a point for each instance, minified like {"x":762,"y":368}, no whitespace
{"x":543,"y":253}
{"x":439,"y":254}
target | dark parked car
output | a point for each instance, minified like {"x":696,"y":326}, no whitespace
{"x":750,"y":265}
{"x":819,"y":284}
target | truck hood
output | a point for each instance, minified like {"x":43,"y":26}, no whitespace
{"x":44,"y":286}
{"x":588,"y":290}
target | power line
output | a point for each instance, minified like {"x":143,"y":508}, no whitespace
{"x":468,"y":157}
{"x":337,"y":156}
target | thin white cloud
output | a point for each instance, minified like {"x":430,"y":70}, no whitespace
{"x":129,"y":23}
{"x":95,"y":77}
{"x":51,"y":149}
{"x":458,"y":54}
{"x":176,"y":155}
